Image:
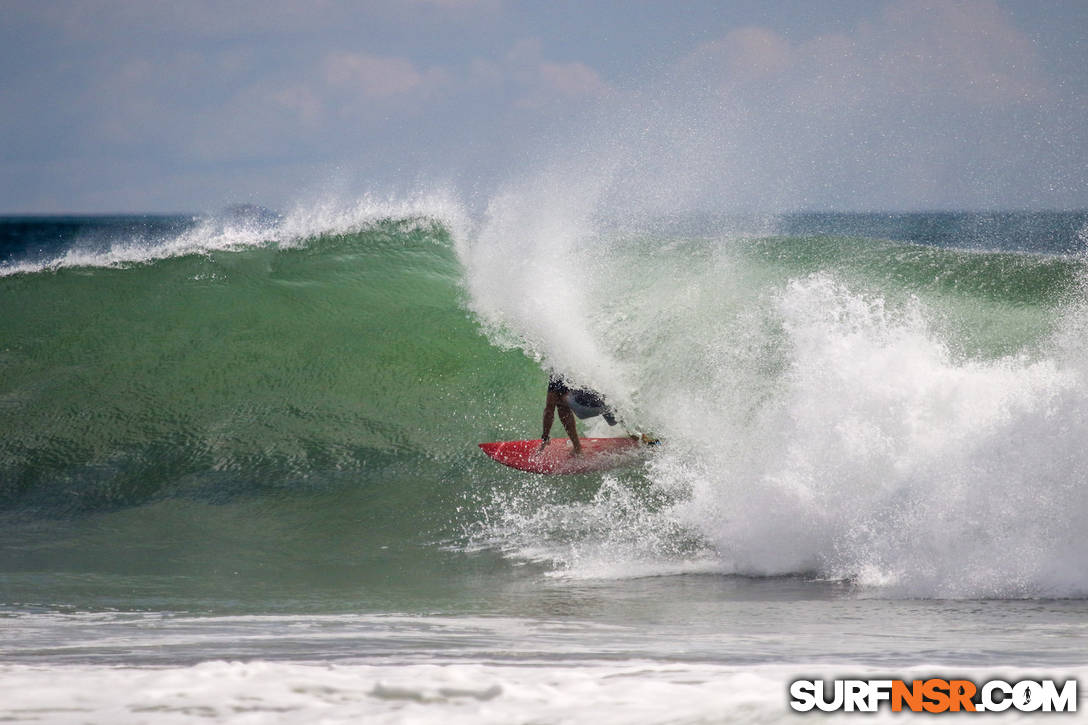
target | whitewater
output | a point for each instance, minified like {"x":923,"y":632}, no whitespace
{"x":239,"y":479}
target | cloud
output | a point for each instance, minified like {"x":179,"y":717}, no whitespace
{"x":461,"y":4}
{"x":961,"y":50}
{"x":923,"y":105}
{"x":535,"y":80}
{"x":902,"y":103}
{"x":571,"y":79}
{"x":378,"y":77}
{"x":967,"y":48}
{"x":302,"y":101}
{"x":561,"y":83}
{"x":543,"y":82}
{"x":748,"y":54}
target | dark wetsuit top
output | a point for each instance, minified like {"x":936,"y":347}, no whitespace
{"x":556,"y":385}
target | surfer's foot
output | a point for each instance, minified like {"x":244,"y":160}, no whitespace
{"x":650,"y":440}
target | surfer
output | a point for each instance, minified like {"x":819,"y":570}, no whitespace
{"x":570,"y":402}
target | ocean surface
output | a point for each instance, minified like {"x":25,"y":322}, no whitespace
{"x":239,"y":479}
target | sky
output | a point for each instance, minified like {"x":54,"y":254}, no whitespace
{"x":775,"y":105}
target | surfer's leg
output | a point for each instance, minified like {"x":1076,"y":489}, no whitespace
{"x":566,"y":417}
{"x":549,"y":414}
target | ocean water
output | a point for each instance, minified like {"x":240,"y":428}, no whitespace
{"x":239,"y":479}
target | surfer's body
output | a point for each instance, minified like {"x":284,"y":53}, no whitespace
{"x":569,"y":402}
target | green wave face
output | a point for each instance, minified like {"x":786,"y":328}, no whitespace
{"x":233,"y":372}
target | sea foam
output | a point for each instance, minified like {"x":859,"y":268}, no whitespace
{"x":816,"y":422}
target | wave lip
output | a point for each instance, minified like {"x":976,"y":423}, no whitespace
{"x":247,"y":226}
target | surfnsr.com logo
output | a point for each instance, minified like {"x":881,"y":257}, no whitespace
{"x":934,"y":695}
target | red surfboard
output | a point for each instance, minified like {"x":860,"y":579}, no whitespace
{"x":598,"y":454}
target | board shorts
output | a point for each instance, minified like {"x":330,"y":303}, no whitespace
{"x":584,"y":403}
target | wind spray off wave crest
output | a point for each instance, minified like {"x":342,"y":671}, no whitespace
{"x":534,"y":280}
